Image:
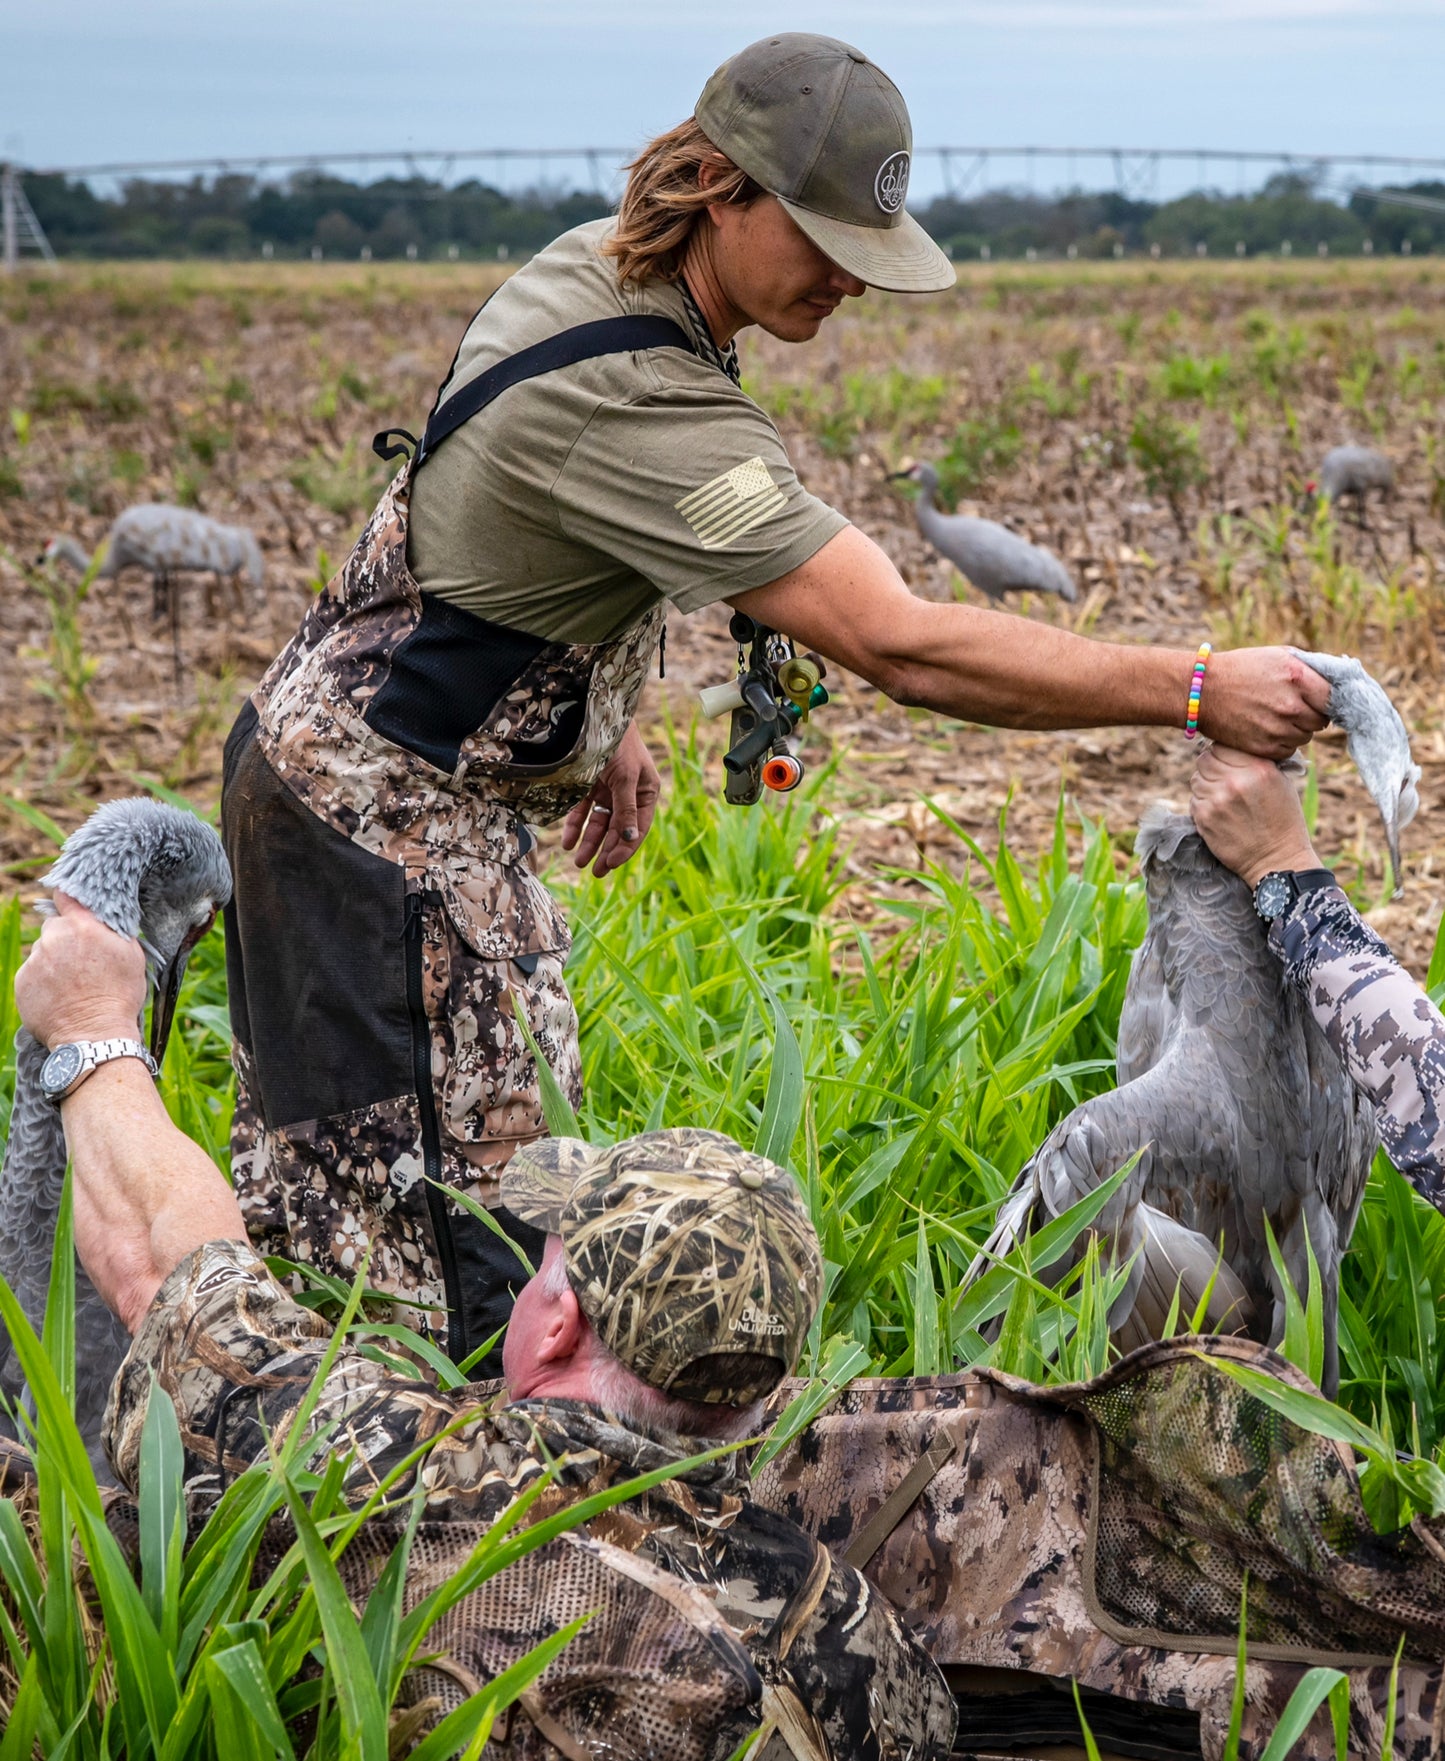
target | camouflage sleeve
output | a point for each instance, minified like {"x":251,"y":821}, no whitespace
{"x":875,"y":1693}
{"x":822,"y":1637}
{"x":237,"y":1355}
{"x":1388,"y":1034}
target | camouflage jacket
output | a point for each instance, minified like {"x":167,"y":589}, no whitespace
{"x":364,"y":715}
{"x":236,"y":1354}
{"x":1386,"y":1031}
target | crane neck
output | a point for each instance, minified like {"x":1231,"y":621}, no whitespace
{"x":33,"y":1175}
{"x":67,"y":550}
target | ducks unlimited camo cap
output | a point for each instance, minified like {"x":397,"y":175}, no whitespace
{"x":694,"y":1260}
{"x":820,"y":127}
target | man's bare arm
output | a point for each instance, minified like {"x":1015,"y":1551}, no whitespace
{"x":145,"y":1195}
{"x":850,"y":603}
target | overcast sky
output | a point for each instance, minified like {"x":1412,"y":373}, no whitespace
{"x":90,"y":80}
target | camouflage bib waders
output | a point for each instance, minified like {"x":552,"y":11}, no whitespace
{"x":386,"y":923}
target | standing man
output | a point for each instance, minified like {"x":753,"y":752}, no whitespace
{"x":476,"y":664}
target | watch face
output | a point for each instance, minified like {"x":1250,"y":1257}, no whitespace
{"x":60,"y":1069}
{"x":1272,"y":895}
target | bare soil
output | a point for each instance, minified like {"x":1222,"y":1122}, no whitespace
{"x":252,"y":392}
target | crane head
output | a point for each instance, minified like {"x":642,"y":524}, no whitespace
{"x":151,"y":872}
{"x":1377,"y":741}
{"x":923,"y":475}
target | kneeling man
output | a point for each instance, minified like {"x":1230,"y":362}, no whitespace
{"x":680,"y":1277}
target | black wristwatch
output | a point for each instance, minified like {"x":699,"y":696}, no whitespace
{"x":1274,"y":893}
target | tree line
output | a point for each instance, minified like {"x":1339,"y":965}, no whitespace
{"x":314,"y":213}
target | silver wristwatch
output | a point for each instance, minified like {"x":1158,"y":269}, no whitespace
{"x":69,"y":1065}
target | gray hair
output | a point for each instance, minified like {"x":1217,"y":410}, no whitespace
{"x":618,"y":1390}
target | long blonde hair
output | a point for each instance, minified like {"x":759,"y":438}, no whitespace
{"x":664,"y":201}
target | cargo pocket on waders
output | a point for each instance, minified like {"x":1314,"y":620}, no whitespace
{"x":475,"y":957}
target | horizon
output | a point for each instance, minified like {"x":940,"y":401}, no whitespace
{"x":1174,"y":75}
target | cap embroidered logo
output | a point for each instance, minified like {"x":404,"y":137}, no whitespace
{"x":890,"y":187}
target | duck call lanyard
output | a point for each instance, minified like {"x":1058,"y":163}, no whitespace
{"x":775,"y":689}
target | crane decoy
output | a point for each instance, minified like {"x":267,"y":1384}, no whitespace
{"x":168,"y":541}
{"x":1230,"y":1095}
{"x":146,"y":870}
{"x":1376,"y":740}
{"x":1353,"y":471}
{"x":994,"y":559}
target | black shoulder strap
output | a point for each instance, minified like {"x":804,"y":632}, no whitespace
{"x":583,"y":342}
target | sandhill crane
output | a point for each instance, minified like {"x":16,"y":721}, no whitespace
{"x":147,"y":870}
{"x":166,"y":542}
{"x":1235,"y":1103}
{"x":1353,"y":471}
{"x":994,"y":559}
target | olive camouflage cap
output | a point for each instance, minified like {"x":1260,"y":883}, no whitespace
{"x":820,"y":127}
{"x":694,"y":1260}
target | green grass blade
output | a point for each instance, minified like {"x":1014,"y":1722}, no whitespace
{"x":556,"y":1108}
{"x":242,"y":1668}
{"x":470,"y":1721}
{"x":363,"y":1717}
{"x":1091,"y":1747}
{"x":1241,"y":1667}
{"x":23,"y":1723}
{"x":845,"y":1359}
{"x":162,"y":1513}
{"x":1313,"y":1688}
{"x":58,"y":1327}
{"x":783,"y":1106}
{"x":484,"y":1216}
{"x":1387,"y":1735}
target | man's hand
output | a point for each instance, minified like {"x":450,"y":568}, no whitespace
{"x":80,"y":980}
{"x":1262,"y":700}
{"x":612,"y":821}
{"x":145,"y":1195}
{"x":1249,"y":814}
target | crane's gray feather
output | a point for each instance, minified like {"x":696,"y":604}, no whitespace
{"x":145,"y":869}
{"x":1377,"y":741}
{"x":1235,"y":1104}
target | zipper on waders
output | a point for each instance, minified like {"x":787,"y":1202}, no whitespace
{"x":431,"y":1137}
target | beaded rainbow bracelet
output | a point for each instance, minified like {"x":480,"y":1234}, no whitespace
{"x":1196,"y":689}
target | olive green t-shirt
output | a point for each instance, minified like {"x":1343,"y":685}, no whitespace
{"x":577,"y":500}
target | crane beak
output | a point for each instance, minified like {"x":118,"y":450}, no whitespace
{"x":1392,"y":840}
{"x":168,"y":990}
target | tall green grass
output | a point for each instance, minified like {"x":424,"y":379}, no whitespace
{"x":904,"y":1066}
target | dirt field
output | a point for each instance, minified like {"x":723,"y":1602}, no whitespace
{"x":1155,"y":425}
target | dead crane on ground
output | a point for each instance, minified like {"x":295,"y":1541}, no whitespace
{"x":994,"y":559}
{"x":150,"y":871}
{"x":169,"y":541}
{"x":1229,"y":1094}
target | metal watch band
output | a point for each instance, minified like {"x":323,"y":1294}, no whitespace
{"x":95,"y":1052}
{"x":102,"y":1051}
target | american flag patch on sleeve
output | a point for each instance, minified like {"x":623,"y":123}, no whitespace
{"x":723,"y":510}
